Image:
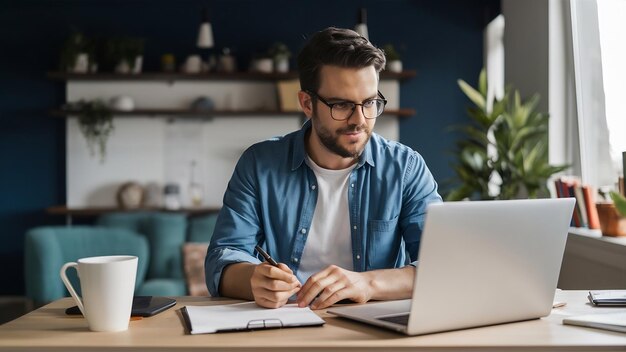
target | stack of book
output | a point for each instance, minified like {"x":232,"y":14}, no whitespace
{"x":585,"y":212}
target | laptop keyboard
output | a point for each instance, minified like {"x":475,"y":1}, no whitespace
{"x":397,"y":319}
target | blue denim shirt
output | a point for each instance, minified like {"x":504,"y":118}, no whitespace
{"x":271,"y":197}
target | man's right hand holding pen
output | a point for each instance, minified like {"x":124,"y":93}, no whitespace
{"x":273,"y":283}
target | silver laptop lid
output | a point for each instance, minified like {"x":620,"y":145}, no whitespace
{"x":488,"y":262}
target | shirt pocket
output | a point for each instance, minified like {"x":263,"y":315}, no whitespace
{"x":383,"y":244}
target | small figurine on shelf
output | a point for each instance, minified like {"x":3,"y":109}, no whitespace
{"x":227,"y":62}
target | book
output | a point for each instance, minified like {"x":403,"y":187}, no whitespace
{"x":580,"y":203}
{"x":607,"y":321}
{"x":590,"y":203}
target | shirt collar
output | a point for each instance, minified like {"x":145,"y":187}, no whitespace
{"x":299,"y":151}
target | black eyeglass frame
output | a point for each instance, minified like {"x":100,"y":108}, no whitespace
{"x":330,"y":105}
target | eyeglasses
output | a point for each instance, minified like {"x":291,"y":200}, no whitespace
{"x":342,"y":110}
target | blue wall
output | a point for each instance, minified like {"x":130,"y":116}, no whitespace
{"x":441,"y":39}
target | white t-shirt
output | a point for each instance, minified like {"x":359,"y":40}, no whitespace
{"x":329,"y":240}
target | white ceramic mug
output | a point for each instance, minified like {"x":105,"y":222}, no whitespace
{"x":107,"y":284}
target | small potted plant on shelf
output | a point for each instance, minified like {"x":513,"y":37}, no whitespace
{"x":95,"y":121}
{"x":280,"y":53}
{"x":394,"y":63}
{"x":76,"y":54}
{"x":126,"y":54}
{"x":613,"y":215}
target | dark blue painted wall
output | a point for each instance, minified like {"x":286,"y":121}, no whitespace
{"x":441,"y":39}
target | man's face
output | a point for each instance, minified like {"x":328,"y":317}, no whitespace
{"x":344,"y":138}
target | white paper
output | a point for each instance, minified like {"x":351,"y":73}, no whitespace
{"x":607,"y":321}
{"x":246,"y":316}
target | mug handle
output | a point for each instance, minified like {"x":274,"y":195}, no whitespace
{"x":69,"y":286}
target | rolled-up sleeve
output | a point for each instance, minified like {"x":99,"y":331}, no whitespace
{"x":238,"y":227}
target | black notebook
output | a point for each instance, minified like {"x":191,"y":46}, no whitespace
{"x":143,"y":306}
{"x":608,"y":297}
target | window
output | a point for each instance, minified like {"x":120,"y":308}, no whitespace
{"x":599,"y":57}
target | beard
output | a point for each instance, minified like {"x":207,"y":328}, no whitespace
{"x":330,"y":140}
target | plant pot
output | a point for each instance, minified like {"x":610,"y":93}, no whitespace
{"x":281,"y":65}
{"x":611,"y":223}
{"x":394,"y":66}
{"x":81,"y":65}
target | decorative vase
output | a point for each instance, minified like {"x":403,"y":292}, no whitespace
{"x":611,"y":223}
{"x":138,"y":64}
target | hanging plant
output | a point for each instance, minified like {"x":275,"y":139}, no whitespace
{"x":95,"y":121}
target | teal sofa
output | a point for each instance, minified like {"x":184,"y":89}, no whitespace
{"x":48,"y":248}
{"x":162,"y":234}
{"x":166,"y":233}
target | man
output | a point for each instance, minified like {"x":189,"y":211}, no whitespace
{"x":339,"y":207}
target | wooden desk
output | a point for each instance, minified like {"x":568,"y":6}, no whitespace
{"x":49,"y":329}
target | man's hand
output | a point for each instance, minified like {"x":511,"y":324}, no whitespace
{"x":334,"y":284}
{"x":272,"y":286}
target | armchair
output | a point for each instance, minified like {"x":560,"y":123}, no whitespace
{"x":48,"y":248}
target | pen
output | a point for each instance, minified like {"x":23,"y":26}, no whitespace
{"x":265,"y":255}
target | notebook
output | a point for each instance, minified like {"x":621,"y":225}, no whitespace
{"x":480,"y":263}
{"x":607,"y":321}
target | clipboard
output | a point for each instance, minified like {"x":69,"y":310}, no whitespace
{"x":245,"y":317}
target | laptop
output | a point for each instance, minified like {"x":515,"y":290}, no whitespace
{"x":480,"y":263}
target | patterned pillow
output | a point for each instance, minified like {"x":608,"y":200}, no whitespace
{"x":193,"y":261}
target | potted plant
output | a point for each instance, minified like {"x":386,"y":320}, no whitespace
{"x":95,"y":121}
{"x":613,"y":215}
{"x":394,"y":63}
{"x":517,"y":134}
{"x":76,"y":54}
{"x":126,"y":54}
{"x":280,"y":53}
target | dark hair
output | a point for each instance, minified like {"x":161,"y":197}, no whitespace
{"x":338,"y":47}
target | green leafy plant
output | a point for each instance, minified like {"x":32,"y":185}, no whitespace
{"x":120,"y":50}
{"x":95,"y":121}
{"x":74,"y":45}
{"x":391,"y":53}
{"x":517,"y":134}
{"x":279,"y":51}
{"x":620,"y":203}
